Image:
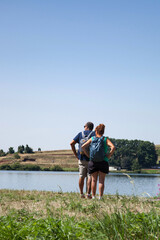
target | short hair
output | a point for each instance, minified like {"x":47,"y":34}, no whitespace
{"x":90,"y":125}
{"x":100,"y":129}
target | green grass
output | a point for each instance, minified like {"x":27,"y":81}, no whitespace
{"x":48,"y":215}
{"x":29,"y":167}
{"x":22,"y":225}
{"x":150,"y":171}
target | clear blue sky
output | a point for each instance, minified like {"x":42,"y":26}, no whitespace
{"x":63,"y":63}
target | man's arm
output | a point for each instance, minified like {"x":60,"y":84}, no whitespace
{"x":73,"y":143}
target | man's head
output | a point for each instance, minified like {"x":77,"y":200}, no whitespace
{"x":89,"y":126}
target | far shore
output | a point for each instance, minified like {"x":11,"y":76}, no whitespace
{"x":58,"y":160}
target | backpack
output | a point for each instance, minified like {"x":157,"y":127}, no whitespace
{"x":97,"y":151}
{"x":82,"y":141}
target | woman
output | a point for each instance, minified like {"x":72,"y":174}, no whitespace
{"x":101,"y":167}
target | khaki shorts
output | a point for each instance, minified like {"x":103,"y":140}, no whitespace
{"x":83,"y":169}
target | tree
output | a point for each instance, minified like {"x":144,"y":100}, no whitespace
{"x":135,"y":165}
{"x":11,"y":150}
{"x":28,"y":149}
{"x":16,"y":156}
{"x":126,"y":163}
{"x":146,"y":153}
{"x":21,"y":149}
{"x":2,"y":153}
{"x":129,"y":150}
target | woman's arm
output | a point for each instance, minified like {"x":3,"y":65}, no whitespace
{"x":86,"y":144}
{"x":112,"y":147}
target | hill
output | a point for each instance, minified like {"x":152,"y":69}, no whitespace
{"x":46,"y":159}
{"x":63,"y":158}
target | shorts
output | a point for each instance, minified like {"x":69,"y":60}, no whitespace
{"x":83,"y":168}
{"x":98,"y":166}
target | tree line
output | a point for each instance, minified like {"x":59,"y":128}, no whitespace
{"x":21,"y":149}
{"x":129,"y":154}
{"x":133,"y":154}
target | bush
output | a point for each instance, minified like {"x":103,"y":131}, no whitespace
{"x":16,"y":166}
{"x":11,"y":150}
{"x":16,"y":156}
{"x":2,"y":153}
{"x":5,"y":167}
{"x":56,"y":168}
{"x":20,"y":149}
{"x":30,"y":167}
{"x":28,"y":149}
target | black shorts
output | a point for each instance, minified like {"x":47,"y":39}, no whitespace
{"x":98,"y":166}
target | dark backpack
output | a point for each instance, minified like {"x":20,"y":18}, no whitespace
{"x":97,"y":151}
{"x":82,"y":141}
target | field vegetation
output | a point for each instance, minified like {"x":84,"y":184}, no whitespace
{"x":48,"y":215}
{"x":131,"y":156}
{"x":40,"y":160}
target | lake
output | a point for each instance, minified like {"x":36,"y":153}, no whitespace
{"x":136,"y":184}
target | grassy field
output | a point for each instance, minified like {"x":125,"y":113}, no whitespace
{"x":46,"y":159}
{"x":48,"y":215}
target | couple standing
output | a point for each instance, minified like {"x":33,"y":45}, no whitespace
{"x":87,"y":165}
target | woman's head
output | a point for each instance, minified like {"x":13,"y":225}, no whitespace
{"x":100,"y":129}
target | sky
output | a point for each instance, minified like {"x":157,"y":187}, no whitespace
{"x":64,"y":63}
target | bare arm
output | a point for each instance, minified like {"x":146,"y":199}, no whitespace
{"x":73,"y":143}
{"x":112,"y":147}
{"x":86,"y":144}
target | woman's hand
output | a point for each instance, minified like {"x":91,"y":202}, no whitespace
{"x":86,"y":144}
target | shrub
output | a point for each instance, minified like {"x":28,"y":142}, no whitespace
{"x":28,"y":149}
{"x":5,"y":167}
{"x":16,"y":156}
{"x":16,"y":166}
{"x":30,"y":167}
{"x":11,"y":150}
{"x":2,"y":153}
{"x":56,"y":168}
{"x":20,"y":149}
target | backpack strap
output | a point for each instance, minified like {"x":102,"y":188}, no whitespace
{"x":83,"y":136}
{"x":89,"y":134}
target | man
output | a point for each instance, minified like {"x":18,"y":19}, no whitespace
{"x":82,"y":158}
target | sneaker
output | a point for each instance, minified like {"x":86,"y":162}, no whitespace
{"x":101,"y":198}
{"x":82,"y":196}
{"x":88,"y":196}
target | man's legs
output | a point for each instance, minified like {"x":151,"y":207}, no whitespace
{"x":83,"y":168}
{"x":81,"y":184}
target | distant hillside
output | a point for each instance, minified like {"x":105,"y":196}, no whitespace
{"x":63,"y":158}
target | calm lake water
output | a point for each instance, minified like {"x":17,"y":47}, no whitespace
{"x":138,"y":184}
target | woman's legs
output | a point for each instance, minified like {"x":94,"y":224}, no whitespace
{"x":101,"y":183}
{"x":94,"y":183}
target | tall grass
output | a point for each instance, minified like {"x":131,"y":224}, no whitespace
{"x":22,"y":225}
{"x":48,"y":215}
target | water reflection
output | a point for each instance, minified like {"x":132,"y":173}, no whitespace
{"x":136,"y":184}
